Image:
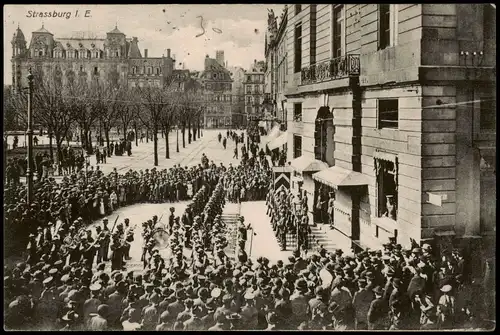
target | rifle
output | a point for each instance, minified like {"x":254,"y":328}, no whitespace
{"x":114,"y":224}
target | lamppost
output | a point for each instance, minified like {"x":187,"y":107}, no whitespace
{"x":29,"y":170}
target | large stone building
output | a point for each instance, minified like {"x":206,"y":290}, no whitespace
{"x":396,"y":105}
{"x":114,"y":59}
{"x":217,"y":87}
{"x":254,"y":89}
{"x":238,"y":93}
{"x":276,"y":69}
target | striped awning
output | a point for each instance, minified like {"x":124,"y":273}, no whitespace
{"x":307,"y":164}
{"x":337,"y":176}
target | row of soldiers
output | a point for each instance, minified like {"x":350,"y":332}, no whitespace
{"x":95,"y":195}
{"x":392,"y":288}
{"x":288,"y":216}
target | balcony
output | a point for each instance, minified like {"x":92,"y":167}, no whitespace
{"x":332,"y":69}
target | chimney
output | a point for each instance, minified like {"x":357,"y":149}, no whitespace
{"x":168,"y":53}
{"x":145,"y":53}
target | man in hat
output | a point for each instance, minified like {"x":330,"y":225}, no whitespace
{"x":99,"y":320}
{"x":377,"y":313}
{"x":176,"y":307}
{"x":299,"y":304}
{"x":90,"y":305}
{"x":115,"y":304}
{"x":249,"y":312}
{"x":151,"y":313}
{"x":446,"y":309}
{"x":361,"y":302}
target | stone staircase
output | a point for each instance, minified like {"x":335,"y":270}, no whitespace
{"x":320,"y":237}
{"x":230,"y":216}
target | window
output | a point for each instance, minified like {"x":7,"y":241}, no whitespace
{"x":249,"y":110}
{"x":209,"y":86}
{"x":384,"y":25}
{"x":388,"y":24}
{"x":134,"y":69}
{"x":149,"y":70}
{"x":249,"y":78}
{"x":487,"y":116}
{"x":249,"y":100}
{"x":298,"y":48}
{"x":297,"y":112}
{"x":96,"y":72}
{"x":386,"y":189}
{"x":388,"y":112}
{"x":249,"y":89}
{"x":338,"y":24}
{"x":81,"y":68}
{"x":298,"y":9}
{"x":157,"y":71}
{"x":40,"y":53}
{"x":297,"y":146}
{"x":256,"y":89}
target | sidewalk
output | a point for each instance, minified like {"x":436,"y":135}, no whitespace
{"x":264,"y":242}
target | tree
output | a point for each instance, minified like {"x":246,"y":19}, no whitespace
{"x":51,"y":107}
{"x":154,"y":100}
{"x":82,"y":110}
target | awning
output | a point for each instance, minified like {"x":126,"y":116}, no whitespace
{"x":337,"y":176}
{"x":274,"y":133}
{"x":278,"y":142}
{"x":307,"y":164}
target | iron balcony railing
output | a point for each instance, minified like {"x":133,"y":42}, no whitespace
{"x":337,"y":68}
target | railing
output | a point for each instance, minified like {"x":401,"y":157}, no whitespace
{"x":337,"y":68}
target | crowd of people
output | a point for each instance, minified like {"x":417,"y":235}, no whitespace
{"x":206,"y":289}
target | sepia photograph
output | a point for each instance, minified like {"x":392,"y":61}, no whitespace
{"x":226,"y":167}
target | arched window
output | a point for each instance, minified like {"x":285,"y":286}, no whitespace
{"x":157,"y":71}
{"x":134,"y":69}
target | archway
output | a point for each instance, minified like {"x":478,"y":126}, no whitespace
{"x":323,"y":136}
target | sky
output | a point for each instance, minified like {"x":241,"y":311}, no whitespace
{"x":239,"y":30}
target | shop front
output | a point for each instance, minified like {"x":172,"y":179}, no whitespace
{"x":302,"y":182}
{"x":348,"y":188}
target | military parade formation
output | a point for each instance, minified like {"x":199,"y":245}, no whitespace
{"x":76,"y":278}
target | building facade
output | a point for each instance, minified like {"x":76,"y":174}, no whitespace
{"x":254,"y":89}
{"x":238,"y":108}
{"x":114,"y":59}
{"x":399,"y":101}
{"x":276,"y":69}
{"x":217,"y":87}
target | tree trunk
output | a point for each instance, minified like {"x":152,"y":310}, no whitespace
{"x":51,"y":148}
{"x":189,"y":132}
{"x":167,"y":147}
{"x":89,"y":142}
{"x":136,"y":135}
{"x":155,"y":144}
{"x":183,"y":135}
{"x":177,"y":149}
{"x":124,"y":129}
{"x":147,"y":134}
{"x":59,"y":154}
{"x":106,"y":133}
{"x":199,"y":128}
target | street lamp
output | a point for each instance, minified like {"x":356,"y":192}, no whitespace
{"x":29,"y":170}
